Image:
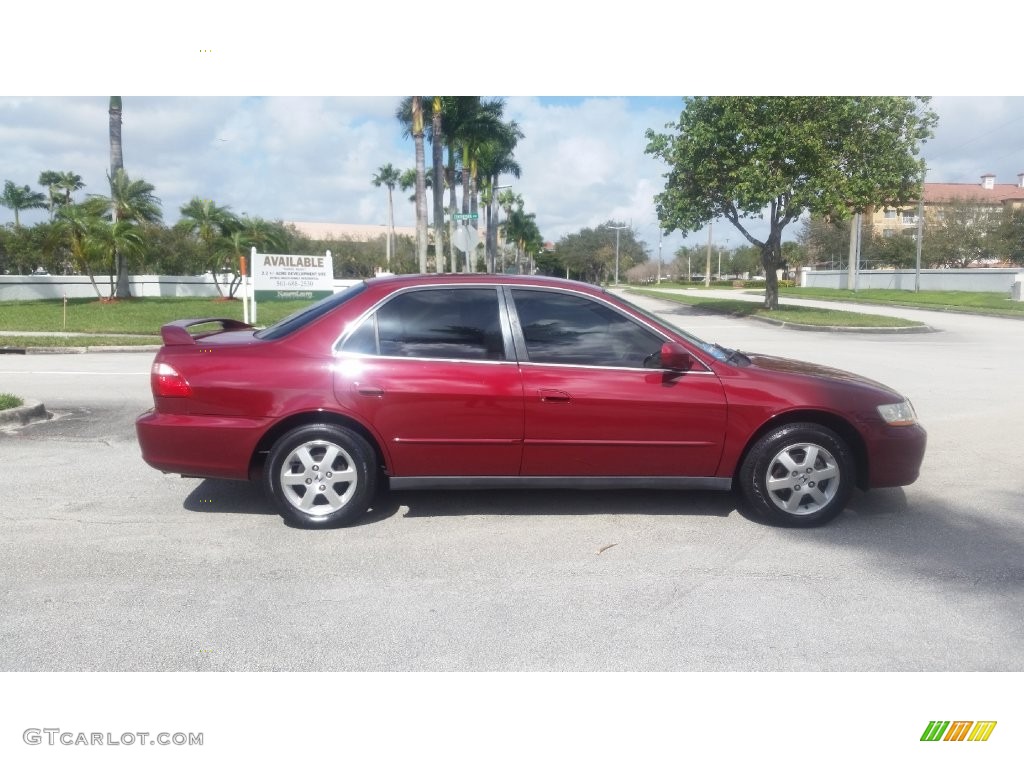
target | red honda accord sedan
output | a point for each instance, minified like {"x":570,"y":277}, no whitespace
{"x":486,"y":381}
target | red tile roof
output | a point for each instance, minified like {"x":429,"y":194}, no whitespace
{"x":942,"y":193}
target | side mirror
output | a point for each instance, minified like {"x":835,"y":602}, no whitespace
{"x":675,"y":357}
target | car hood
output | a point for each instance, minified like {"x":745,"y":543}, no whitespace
{"x":801,"y":368}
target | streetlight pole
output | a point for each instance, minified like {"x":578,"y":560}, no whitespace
{"x":617,"y":229}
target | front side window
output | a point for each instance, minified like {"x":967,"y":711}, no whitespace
{"x":445,"y":323}
{"x":573,"y":330}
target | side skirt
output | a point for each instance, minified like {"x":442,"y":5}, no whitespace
{"x":582,"y":483}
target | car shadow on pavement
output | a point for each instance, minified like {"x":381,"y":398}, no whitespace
{"x":228,"y":496}
{"x":214,"y":496}
{"x":564,"y":502}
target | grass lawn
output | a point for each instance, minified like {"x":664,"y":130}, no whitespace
{"x":9,"y":401}
{"x":786,"y":314}
{"x":130,"y":316}
{"x":958,"y":301}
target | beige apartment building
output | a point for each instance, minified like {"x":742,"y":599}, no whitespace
{"x":987,"y":194}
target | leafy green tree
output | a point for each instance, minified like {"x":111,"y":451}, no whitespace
{"x":589,"y":254}
{"x":20,"y":199}
{"x":388,"y":176}
{"x":1011,"y":235}
{"x":780,"y":157}
{"x":962,"y":233}
{"x":825,"y":240}
{"x":25,"y":249}
{"x":171,"y":251}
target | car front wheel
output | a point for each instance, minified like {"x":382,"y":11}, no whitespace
{"x":321,"y":475}
{"x":798,"y":475}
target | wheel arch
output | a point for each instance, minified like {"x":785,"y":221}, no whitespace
{"x":285,"y":425}
{"x":837,"y":424}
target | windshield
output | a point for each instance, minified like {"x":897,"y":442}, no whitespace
{"x":717,"y":351}
{"x":307,"y":315}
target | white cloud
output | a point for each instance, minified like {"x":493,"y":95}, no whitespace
{"x":313,"y":158}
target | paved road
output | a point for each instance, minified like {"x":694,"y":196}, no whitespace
{"x":105,"y":564}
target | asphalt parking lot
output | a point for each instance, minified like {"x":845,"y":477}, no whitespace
{"x":109,"y":565}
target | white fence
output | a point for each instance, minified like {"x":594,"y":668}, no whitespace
{"x":27,"y":287}
{"x":983,"y":280}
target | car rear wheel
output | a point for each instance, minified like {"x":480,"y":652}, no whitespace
{"x":798,"y":475}
{"x":321,"y":475}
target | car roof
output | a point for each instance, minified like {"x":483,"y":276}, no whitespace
{"x":476,"y":278}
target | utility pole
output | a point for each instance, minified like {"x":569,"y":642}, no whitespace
{"x":920,"y":238}
{"x":617,"y":229}
{"x":659,"y":257}
{"x":707,"y":266}
{"x":854,"y":262}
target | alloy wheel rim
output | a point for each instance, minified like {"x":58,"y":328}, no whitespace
{"x":318,"y":478}
{"x":802,"y":479}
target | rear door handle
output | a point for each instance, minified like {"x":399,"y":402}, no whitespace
{"x":554,"y":396}
{"x":368,"y":390}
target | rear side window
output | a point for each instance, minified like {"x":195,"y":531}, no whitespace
{"x":445,"y":323}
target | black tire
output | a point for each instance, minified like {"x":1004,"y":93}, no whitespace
{"x":321,"y":475}
{"x":798,"y":475}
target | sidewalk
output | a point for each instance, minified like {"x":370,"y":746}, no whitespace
{"x":743,"y":294}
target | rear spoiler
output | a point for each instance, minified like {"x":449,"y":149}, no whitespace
{"x":176,"y":333}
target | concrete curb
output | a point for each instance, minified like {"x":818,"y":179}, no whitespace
{"x":32,"y":410}
{"x":839,"y":328}
{"x":75,"y":350}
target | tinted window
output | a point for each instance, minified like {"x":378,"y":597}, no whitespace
{"x":456,"y":323}
{"x":573,"y":330}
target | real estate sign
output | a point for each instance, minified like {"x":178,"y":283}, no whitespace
{"x":279,"y":277}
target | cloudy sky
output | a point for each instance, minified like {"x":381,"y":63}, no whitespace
{"x":296,"y":155}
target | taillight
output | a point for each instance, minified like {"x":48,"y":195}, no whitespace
{"x":167,"y":382}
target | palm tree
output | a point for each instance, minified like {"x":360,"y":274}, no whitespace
{"x":209,"y":222}
{"x":495,"y":159}
{"x":131,"y":200}
{"x":59,"y":186}
{"x":421,"y":186}
{"x":407,"y":181}
{"x":257,"y":233}
{"x":77,"y":223}
{"x":49,"y":180}
{"x":478,"y":127}
{"x":521,"y":228}
{"x":69,"y":182}
{"x":508,"y":201}
{"x":117,"y":167}
{"x":20,"y":199}
{"x":388,"y":176}
{"x":433,"y":108}
{"x":115,"y":241}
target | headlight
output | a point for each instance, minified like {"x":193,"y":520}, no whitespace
{"x":898,"y":414}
